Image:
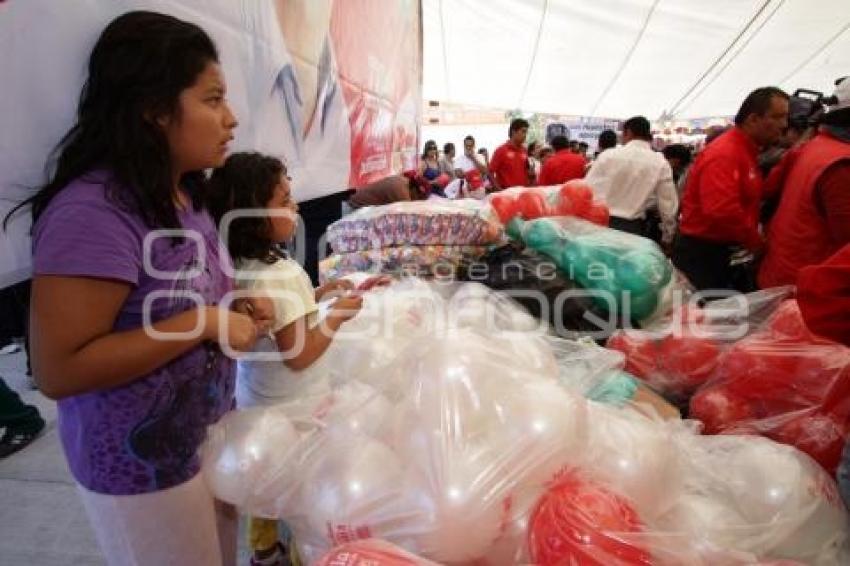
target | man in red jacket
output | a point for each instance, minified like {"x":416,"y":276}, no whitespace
{"x":723,"y":194}
{"x":823,"y":293}
{"x":563,"y":166}
{"x":509,"y":165}
{"x":813,"y":218}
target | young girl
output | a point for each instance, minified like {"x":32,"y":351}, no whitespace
{"x":126,"y":324}
{"x":253,"y":182}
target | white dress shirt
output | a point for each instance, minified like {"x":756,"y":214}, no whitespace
{"x":633,"y":178}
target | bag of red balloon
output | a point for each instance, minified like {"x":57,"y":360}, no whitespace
{"x":371,"y":552}
{"x":579,"y":521}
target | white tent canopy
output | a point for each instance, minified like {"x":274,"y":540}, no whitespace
{"x":618,"y":58}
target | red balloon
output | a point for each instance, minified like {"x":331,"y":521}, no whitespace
{"x":505,"y":207}
{"x":788,"y":321}
{"x":641,"y":352}
{"x":578,"y":521}
{"x":580,"y":195}
{"x":718,"y":410}
{"x":531,"y":205}
{"x":820,"y":436}
{"x":598,"y":214}
{"x":370,"y":553}
{"x":688,"y":361}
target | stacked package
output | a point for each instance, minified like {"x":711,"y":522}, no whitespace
{"x":453,"y":428}
{"x":407,"y":237}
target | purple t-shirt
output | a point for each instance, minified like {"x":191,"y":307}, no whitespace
{"x":143,"y":436}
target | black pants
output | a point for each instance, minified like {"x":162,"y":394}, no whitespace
{"x":15,"y":414}
{"x":706,"y":264}
{"x":635,"y":226}
{"x":14,"y":315}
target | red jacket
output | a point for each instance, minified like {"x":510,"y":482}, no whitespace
{"x":510,"y":166}
{"x":823,"y":293}
{"x":799,"y":234}
{"x":724,"y":192}
{"x":562,"y":167}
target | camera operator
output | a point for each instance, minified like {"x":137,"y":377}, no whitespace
{"x":813,"y":218}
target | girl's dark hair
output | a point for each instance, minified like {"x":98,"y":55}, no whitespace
{"x":246,"y":181}
{"x":137,"y":69}
{"x":429,"y":145}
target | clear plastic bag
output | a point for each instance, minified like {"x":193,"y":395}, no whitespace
{"x":370,"y":552}
{"x":418,"y":261}
{"x":680,"y":353}
{"x":415,"y":223}
{"x":466,"y":437}
{"x":783,"y":382}
{"x":629,"y":274}
{"x":574,"y":198}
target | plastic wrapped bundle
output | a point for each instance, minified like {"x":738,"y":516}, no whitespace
{"x":784,"y":383}
{"x":546,"y":293}
{"x":747,"y":500}
{"x":416,"y":223}
{"x":466,"y":438}
{"x":418,"y":261}
{"x":631,"y":272}
{"x":371,"y":552}
{"x":574,"y":198}
{"x":679,"y":354}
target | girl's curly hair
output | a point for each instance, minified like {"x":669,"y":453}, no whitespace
{"x":247,"y":180}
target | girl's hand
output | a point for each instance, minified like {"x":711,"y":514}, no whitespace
{"x":375,"y":283}
{"x":259,"y":308}
{"x":346,"y":307}
{"x":333,"y":288}
{"x":236,"y":330}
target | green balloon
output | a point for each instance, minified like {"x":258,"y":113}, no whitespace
{"x":643,"y":305}
{"x":514,"y":228}
{"x":542,"y":234}
{"x":643,"y":272}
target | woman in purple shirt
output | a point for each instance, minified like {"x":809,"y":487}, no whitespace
{"x":126,"y":320}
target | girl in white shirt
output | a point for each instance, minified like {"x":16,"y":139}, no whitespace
{"x":257,"y":188}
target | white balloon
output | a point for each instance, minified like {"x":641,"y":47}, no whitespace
{"x":782,"y":489}
{"x":360,"y":409}
{"x":511,"y":545}
{"x":456,"y":503}
{"x":351,"y":485}
{"x":636,"y":456}
{"x":540,"y":429}
{"x":248,"y":459}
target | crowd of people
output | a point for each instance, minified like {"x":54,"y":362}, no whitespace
{"x":758,"y":202}
{"x":154,"y":116}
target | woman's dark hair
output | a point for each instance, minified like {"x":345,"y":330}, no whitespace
{"x":429,"y":145}
{"x":136,"y":72}
{"x":246,"y":181}
{"x":448,"y":147}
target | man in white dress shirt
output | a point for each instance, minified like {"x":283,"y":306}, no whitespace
{"x":633,"y":179}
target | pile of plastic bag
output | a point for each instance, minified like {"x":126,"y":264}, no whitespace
{"x":533,"y":281}
{"x":679,"y":353}
{"x":784,"y":383}
{"x":413,"y":238}
{"x":628,"y":274}
{"x":749,"y":365}
{"x":574,"y":198}
{"x":448,"y":424}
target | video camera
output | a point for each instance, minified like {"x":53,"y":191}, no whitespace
{"x":807,"y":106}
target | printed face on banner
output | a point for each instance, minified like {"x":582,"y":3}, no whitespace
{"x":332,"y":88}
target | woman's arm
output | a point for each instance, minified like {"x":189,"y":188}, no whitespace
{"x":75,"y":350}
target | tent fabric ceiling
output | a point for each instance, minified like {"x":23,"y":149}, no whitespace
{"x":618,"y":58}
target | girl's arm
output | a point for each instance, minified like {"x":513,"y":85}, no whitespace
{"x":75,"y":349}
{"x":303,"y":345}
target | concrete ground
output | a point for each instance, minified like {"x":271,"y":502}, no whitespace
{"x":42,"y":521}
